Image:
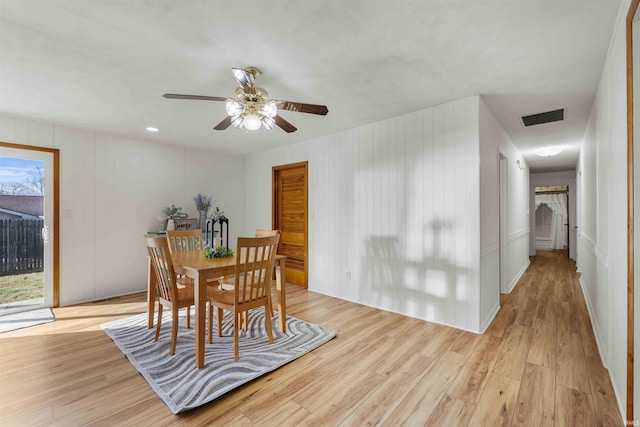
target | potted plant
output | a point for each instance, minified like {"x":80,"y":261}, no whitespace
{"x":203,"y":204}
{"x":172,"y":213}
{"x":217,"y":214}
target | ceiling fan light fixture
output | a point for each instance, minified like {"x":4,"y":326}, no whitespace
{"x":268,"y":123}
{"x":252,"y":122}
{"x":270,"y":109}
{"x":237,"y":121}
{"x":234,"y":107}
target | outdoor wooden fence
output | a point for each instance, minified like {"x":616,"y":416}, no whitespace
{"x":21,"y":246}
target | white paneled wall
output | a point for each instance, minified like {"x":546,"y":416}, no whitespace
{"x":602,"y":219}
{"x":493,"y":143}
{"x":112,"y":190}
{"x":394,"y":206}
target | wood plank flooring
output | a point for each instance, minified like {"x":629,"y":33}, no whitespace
{"x":537,"y":365}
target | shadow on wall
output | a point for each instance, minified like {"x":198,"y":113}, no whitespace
{"x":423,"y":280}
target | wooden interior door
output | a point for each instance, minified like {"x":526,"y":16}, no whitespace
{"x":290,"y":217}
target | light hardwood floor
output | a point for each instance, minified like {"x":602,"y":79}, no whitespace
{"x":537,"y":365}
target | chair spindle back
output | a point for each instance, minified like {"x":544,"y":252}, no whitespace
{"x":254,"y":264}
{"x":162,"y":263}
{"x":185,"y":240}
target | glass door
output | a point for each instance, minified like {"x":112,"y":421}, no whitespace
{"x":26,"y":229}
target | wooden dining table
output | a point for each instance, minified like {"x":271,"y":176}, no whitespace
{"x":194,"y":265}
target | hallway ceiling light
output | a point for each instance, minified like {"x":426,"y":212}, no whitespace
{"x":549,"y":151}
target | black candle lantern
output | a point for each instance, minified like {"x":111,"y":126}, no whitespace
{"x":223,"y":230}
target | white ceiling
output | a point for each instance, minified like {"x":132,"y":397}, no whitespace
{"x":104,"y":64}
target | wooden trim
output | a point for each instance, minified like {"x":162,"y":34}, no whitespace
{"x":630,"y":211}
{"x":56,"y":211}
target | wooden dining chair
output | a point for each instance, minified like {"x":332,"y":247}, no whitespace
{"x":190,"y":241}
{"x":259,"y":233}
{"x":185,"y":240}
{"x":262,"y":233}
{"x":251,"y":285}
{"x":266,"y":233}
{"x":170,"y":293}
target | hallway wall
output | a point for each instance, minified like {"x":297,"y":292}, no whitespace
{"x":493,"y":143}
{"x":602,"y":219}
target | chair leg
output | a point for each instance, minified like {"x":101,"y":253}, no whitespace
{"x":188,"y":317}
{"x":246,"y":320}
{"x":174,"y":329}
{"x":269,"y":305}
{"x":270,"y":295}
{"x":220,"y":316}
{"x":158,"y":322}
{"x":236,"y":333}
{"x":267,"y":323}
{"x":210,"y":323}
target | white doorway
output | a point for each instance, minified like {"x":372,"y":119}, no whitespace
{"x":552,"y":219}
{"x":27,"y":250}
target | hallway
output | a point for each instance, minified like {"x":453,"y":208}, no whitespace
{"x":549,"y":345}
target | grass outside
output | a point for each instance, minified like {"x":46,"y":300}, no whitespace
{"x":21,"y":287}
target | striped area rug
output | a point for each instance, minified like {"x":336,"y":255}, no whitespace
{"x":175,"y":378}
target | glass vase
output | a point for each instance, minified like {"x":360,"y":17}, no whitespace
{"x":202,"y":220}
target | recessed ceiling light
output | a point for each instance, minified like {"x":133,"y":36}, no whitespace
{"x":152,"y":129}
{"x":549,"y":151}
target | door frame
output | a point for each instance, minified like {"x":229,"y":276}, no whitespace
{"x":503,"y":215}
{"x":56,"y":207}
{"x":631,"y":13}
{"x":275,"y":170}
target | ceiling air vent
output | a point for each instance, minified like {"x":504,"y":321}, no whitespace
{"x":548,"y":117}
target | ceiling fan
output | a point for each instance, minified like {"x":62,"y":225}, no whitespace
{"x":252,"y":107}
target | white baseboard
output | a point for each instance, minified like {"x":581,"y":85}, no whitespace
{"x":603,"y":356}
{"x":484,"y":325}
{"x":514,"y":282}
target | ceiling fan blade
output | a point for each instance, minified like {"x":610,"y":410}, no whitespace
{"x":285,"y":125}
{"x":245,"y":80}
{"x":225,"y":123}
{"x":302,"y":108}
{"x":198,"y":97}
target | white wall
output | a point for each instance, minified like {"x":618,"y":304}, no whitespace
{"x":112,"y":189}
{"x":493,"y":142}
{"x":397,"y":203}
{"x":554,"y":178}
{"x":602,"y":222}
